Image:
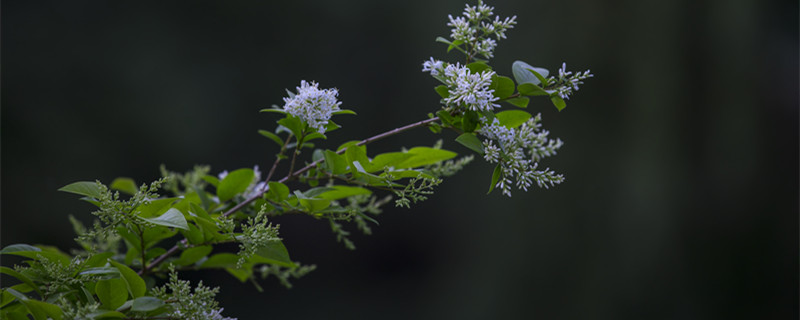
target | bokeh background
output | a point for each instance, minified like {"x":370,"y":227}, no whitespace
{"x":681,"y":156}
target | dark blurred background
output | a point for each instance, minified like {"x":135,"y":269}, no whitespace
{"x":681,"y":155}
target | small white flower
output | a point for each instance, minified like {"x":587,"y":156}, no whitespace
{"x":312,"y":105}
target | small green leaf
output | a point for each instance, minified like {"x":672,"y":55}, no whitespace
{"x":126,"y":185}
{"x":312,"y":204}
{"x":471,"y":121}
{"x":495,"y":177}
{"x":154,"y":208}
{"x":84,"y":188}
{"x":478,"y":67}
{"x":294,"y":124}
{"x":503,"y":86}
{"x":192,"y":255}
{"x":356,"y":153}
{"x":21,"y":277}
{"x":220,"y":260}
{"x":271,"y":136}
{"x":341,"y":192}
{"x":144,"y":304}
{"x":521,"y":102}
{"x":172,"y":218}
{"x":471,"y":141}
{"x":344,"y":111}
{"x":275,"y":253}
{"x":558,"y":102}
{"x":335,"y":163}
{"x":106,"y":314}
{"x":211,"y":180}
{"x":35,"y":253}
{"x":314,"y":135}
{"x":513,"y":118}
{"x":331,"y":126}
{"x":424,"y":156}
{"x":136,"y":285}
{"x":442,"y":91}
{"x":100,"y":271}
{"x":530,"y":89}
{"x":522,"y":73}
{"x":281,"y":111}
{"x":388,"y":159}
{"x":539,"y":75}
{"x":234,"y":183}
{"x":112,"y":292}
{"x":277,"y":191}
{"x":194,"y":234}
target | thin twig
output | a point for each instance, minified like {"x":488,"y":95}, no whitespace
{"x":242,"y":204}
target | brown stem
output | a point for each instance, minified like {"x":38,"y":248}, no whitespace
{"x":242,"y":204}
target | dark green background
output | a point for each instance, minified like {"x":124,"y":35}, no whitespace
{"x":681,"y":156}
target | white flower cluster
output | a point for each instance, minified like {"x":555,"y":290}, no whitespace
{"x":566,"y":83}
{"x":518,"y":151}
{"x":313,"y":105}
{"x":465,"y":88}
{"x":476,"y":26}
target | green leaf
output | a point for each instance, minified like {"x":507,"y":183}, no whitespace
{"x":530,"y":89}
{"x":471,"y":141}
{"x":536,"y":72}
{"x":347,"y":144}
{"x":211,"y":180}
{"x":471,"y":120}
{"x":356,"y":153}
{"x":194,"y":234}
{"x":144,"y":304}
{"x":503,"y":86}
{"x":136,"y":285}
{"x":495,"y":177}
{"x":192,"y":255}
{"x":442,"y":91}
{"x":558,"y":102}
{"x":445,"y":117}
{"x":424,"y":156}
{"x":341,"y":192}
{"x":277,"y":191}
{"x":154,"y":208}
{"x":314,"y":135}
{"x":275,"y":253}
{"x":294,"y":124}
{"x":521,"y":102}
{"x":389,"y":159}
{"x":39,"y":310}
{"x":172,"y":218}
{"x":97,"y":260}
{"x":312,"y":204}
{"x":100,"y":271}
{"x":336,"y":163}
{"x":275,"y":110}
{"x":220,"y":260}
{"x":21,"y":277}
{"x":84,"y":188}
{"x":106,"y":314}
{"x":522,"y":73}
{"x":331,"y":126}
{"x":344,"y":111}
{"x":513,"y":118}
{"x":35,"y":253}
{"x":478,"y":67}
{"x":271,"y":136}
{"x":112,"y":292}
{"x":126,"y":185}
{"x":234,"y":183}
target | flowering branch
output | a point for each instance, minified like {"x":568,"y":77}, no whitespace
{"x":260,"y":194}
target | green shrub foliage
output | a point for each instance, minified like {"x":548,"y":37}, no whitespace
{"x":129,"y":260}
